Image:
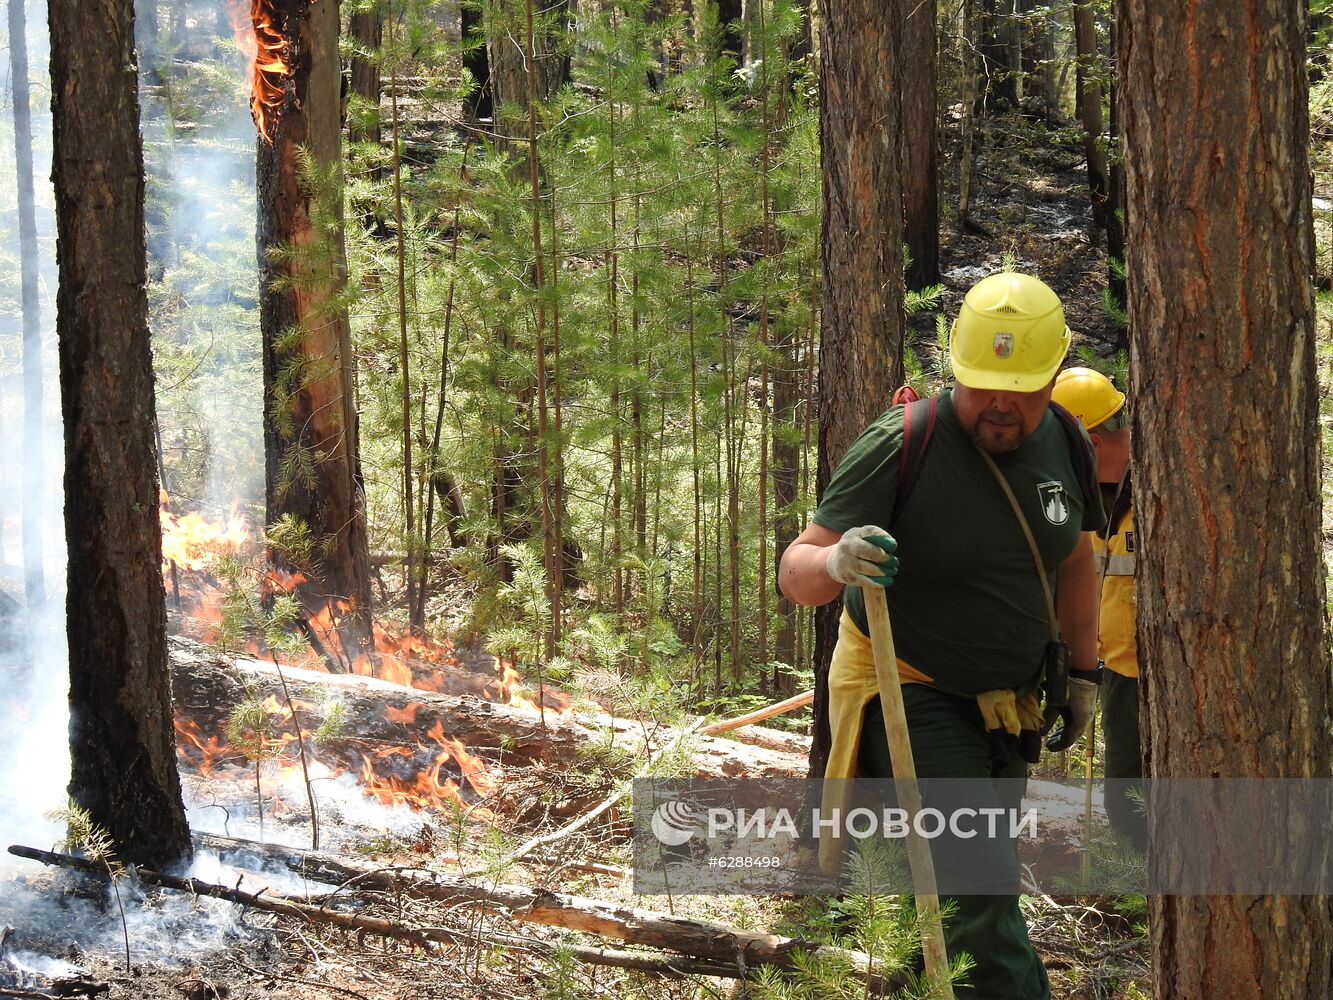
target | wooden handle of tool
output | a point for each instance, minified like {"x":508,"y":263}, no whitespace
{"x":759,"y":715}
{"x":904,"y":780}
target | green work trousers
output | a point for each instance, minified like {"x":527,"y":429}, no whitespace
{"x":949,"y":741}
{"x":1124,"y":760}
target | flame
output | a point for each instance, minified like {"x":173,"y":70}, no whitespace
{"x":210,"y":749}
{"x":502,"y":690}
{"x":261,"y":34}
{"x":426,"y":788}
{"x":423,"y":781}
{"x":407,"y":715}
{"x":191,"y":541}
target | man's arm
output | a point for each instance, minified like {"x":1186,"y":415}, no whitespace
{"x":820,"y":562}
{"x":803,"y":574}
{"x":1076,"y":604}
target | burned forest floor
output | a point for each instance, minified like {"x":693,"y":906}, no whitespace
{"x":452,"y":767}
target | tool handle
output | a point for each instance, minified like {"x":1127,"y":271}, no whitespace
{"x":904,"y":780}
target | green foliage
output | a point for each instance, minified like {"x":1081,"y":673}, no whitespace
{"x":870,"y":919}
{"x":249,"y":731}
{"x":1115,"y":368}
{"x":85,"y":838}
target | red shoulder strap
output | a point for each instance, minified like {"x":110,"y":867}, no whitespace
{"x":918,"y":426}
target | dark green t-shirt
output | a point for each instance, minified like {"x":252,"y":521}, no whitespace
{"x":966,"y":607}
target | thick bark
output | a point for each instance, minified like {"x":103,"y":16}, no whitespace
{"x":861,"y":325}
{"x":1230,"y":575}
{"x":34,"y":465}
{"x":505,"y":26}
{"x":123,"y":763}
{"x":920,"y":177}
{"x":310,"y":419}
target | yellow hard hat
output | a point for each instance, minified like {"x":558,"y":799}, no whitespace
{"x":1010,"y":334}
{"x":1088,"y":395}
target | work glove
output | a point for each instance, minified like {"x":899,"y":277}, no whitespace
{"x":999,"y":710}
{"x":1033,"y":722}
{"x":863,"y":557}
{"x":1076,"y":715}
{"x":1030,"y":714}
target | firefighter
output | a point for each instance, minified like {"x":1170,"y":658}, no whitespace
{"x":1100,"y":407}
{"x":968,"y":611}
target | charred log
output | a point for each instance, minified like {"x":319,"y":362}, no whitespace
{"x":391,"y":714}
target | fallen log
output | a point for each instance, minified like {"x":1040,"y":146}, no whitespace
{"x":418,"y":935}
{"x":205,"y":687}
{"x":703,"y":948}
{"x":738,"y":948}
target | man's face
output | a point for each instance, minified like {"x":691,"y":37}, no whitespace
{"x":1112,"y":454}
{"x":999,"y":420}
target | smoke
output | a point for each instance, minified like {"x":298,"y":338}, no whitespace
{"x":199,"y":154}
{"x":33,"y":660}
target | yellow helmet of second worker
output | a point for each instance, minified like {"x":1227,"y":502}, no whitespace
{"x":1088,"y":395}
{"x":1010,"y":334}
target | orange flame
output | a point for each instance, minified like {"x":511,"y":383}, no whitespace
{"x":261,"y":33}
{"x":502,"y":690}
{"x":191,"y":540}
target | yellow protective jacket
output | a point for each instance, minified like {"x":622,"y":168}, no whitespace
{"x":1116,"y":640}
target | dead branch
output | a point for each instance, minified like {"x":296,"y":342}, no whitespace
{"x":621,"y":791}
{"x":737,"y":964}
{"x":738,"y":949}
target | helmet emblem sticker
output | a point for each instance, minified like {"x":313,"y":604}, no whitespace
{"x":1054,"y":502}
{"x":1003,"y":344}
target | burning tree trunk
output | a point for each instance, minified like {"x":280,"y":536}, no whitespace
{"x":122,"y":746}
{"x":312,"y":461}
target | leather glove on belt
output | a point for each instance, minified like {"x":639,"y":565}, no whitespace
{"x":1033,"y":720}
{"x":1012,"y":723}
{"x":999,"y":710}
{"x":1076,"y":715}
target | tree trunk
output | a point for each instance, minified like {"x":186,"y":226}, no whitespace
{"x":785,"y":472}
{"x":312,"y":461}
{"x":1230,"y":574}
{"x":861,"y":324}
{"x":505,"y":25}
{"x":366,"y":30}
{"x":1038,"y":59}
{"x":920,"y":178}
{"x":969,"y":73}
{"x":1115,"y":204}
{"x":999,"y":56}
{"x":122,"y":746}
{"x":34,"y":465}
{"x":1089,"y":99}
